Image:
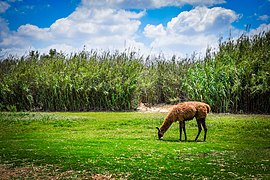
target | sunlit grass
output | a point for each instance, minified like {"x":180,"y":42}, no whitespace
{"x":126,"y":145}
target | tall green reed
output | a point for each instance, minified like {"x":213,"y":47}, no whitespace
{"x":233,"y":78}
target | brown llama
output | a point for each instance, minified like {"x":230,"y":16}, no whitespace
{"x":184,"y":112}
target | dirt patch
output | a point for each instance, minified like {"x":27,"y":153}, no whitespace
{"x":155,"y":108}
{"x":103,"y":177}
{"x":8,"y":173}
{"x":47,"y":172}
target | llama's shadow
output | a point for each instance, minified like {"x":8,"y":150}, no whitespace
{"x":183,"y":141}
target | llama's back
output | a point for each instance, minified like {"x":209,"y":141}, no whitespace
{"x":202,"y":108}
{"x":198,"y":104}
{"x":183,"y":111}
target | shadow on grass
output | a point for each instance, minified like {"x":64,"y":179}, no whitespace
{"x":177,"y":140}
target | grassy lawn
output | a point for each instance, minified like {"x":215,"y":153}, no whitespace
{"x":125,"y":145}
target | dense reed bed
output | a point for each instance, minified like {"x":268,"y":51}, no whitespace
{"x":233,"y":78}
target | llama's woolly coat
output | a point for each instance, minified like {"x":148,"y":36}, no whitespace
{"x":202,"y":109}
{"x":185,"y":111}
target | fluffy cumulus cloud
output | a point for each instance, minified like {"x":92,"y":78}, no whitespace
{"x":9,"y":39}
{"x":192,"y":30}
{"x":202,"y":20}
{"x":99,"y":28}
{"x":34,"y":32}
{"x":102,"y":22}
{"x":261,"y":29}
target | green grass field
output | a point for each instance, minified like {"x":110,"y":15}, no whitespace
{"x":125,"y":145}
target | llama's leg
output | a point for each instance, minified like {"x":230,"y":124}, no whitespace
{"x":184,"y":128}
{"x":180,"y":128}
{"x":205,"y":129}
{"x":199,"y":123}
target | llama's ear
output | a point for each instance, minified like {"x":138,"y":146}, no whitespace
{"x":158,"y":129}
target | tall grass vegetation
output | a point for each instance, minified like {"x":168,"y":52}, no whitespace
{"x":233,"y":78}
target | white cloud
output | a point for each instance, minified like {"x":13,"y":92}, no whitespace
{"x":97,"y":25}
{"x":152,"y":31}
{"x":100,"y":28}
{"x":8,"y":39}
{"x":3,"y":6}
{"x":192,"y":30}
{"x":261,"y":29}
{"x":202,"y":20}
{"x":34,"y":32}
{"x":64,"y":48}
{"x":25,"y":37}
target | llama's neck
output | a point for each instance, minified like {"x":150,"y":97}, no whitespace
{"x":165,"y":125}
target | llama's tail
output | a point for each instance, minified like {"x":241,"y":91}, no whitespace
{"x":208,"y":108}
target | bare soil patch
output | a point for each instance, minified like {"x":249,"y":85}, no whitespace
{"x":103,"y":177}
{"x":154,"y":108}
{"x":47,"y":172}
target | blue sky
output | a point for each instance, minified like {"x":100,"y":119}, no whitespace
{"x":177,"y":27}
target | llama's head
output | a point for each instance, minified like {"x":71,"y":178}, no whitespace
{"x":160,"y":134}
